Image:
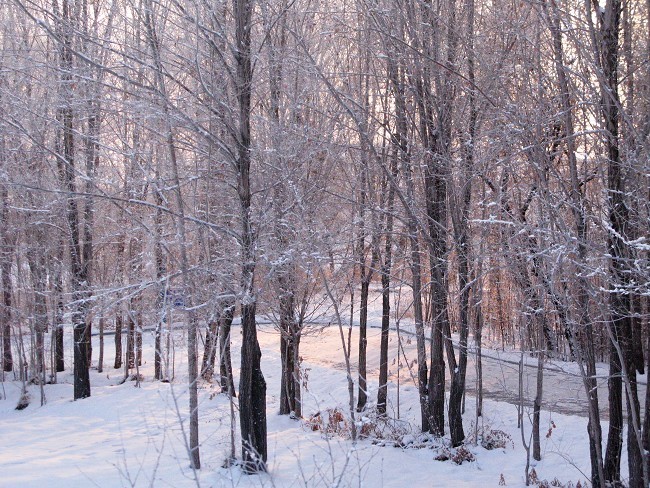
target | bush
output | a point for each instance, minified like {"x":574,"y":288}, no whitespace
{"x":490,"y":439}
{"x":335,"y":423}
{"x":459,"y":455}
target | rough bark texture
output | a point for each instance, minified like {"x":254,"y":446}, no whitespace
{"x":362,"y":397}
{"x":382,"y":392}
{"x":130,"y":338}
{"x":117,"y":364}
{"x":252,"y":396}
{"x":100,"y":359}
{"x":210,"y":349}
{"x":252,"y":387}
{"x":66,"y":168}
{"x":618,"y":219}
{"x":225,"y":362}
{"x":288,"y":343}
{"x":5,"y":269}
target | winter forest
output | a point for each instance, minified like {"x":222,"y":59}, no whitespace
{"x":344,"y":243}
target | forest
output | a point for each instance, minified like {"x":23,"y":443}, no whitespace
{"x":464,"y":177}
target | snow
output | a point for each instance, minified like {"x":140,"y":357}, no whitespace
{"x":128,"y":436}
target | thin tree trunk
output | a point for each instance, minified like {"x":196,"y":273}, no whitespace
{"x":225,"y":362}
{"x":130,"y":337}
{"x":287,"y":344}
{"x":401,"y":143}
{"x":100,"y":359}
{"x":5,"y":270}
{"x":117,"y":364}
{"x":586,"y":354}
{"x":382,"y":393}
{"x":161,"y":270}
{"x":192,"y":326}
{"x":537,"y":404}
{"x":362,"y":397}
{"x":37,"y":266}
{"x":210,"y":348}
{"x":66,"y":168}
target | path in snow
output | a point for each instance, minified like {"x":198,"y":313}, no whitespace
{"x":563,"y":388}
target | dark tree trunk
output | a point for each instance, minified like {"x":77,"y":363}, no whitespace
{"x":252,"y":397}
{"x":89,"y":342}
{"x":478,"y":338}
{"x":297,"y":379}
{"x":100,"y":359}
{"x":225,"y":362}
{"x":287,"y":344}
{"x":400,"y":142}
{"x":537,"y":404}
{"x":118,"y":340}
{"x":66,"y":168}
{"x":130,"y":338}
{"x":157,"y":359}
{"x":252,"y":387}
{"x":7,"y":357}
{"x":5,"y":269}
{"x":210,"y":348}
{"x":362,"y":398}
{"x":620,"y":305}
{"x":160,"y":274}
{"x":459,"y":370}
{"x":59,"y":355}
{"x":138,"y":335}
{"x":646,"y":416}
{"x":382,"y":393}
{"x":635,"y":458}
{"x":40,"y":312}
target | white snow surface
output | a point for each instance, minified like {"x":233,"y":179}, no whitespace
{"x":128,"y":436}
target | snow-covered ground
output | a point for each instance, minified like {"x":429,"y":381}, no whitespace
{"x":128,"y":436}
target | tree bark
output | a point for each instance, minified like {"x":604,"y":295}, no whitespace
{"x":225,"y":362}
{"x":382,"y":393}
{"x":5,"y":270}
{"x":210,"y":348}
{"x":117,"y":364}
{"x":401,"y":143}
{"x":252,"y":386}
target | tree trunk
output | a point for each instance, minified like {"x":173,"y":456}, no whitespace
{"x":401,"y":143}
{"x":537,"y":404}
{"x":100,"y":359}
{"x":225,"y":362}
{"x":40,"y":314}
{"x":382,"y":393}
{"x":287,"y":344}
{"x":297,"y":378}
{"x":59,"y":353}
{"x":252,"y":387}
{"x":583,"y":354}
{"x":66,"y":168}
{"x":130,"y":337}
{"x":620,"y":306}
{"x":362,"y":397}
{"x":118,"y":339}
{"x":210,"y":348}
{"x":5,"y":270}
{"x":252,"y":396}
